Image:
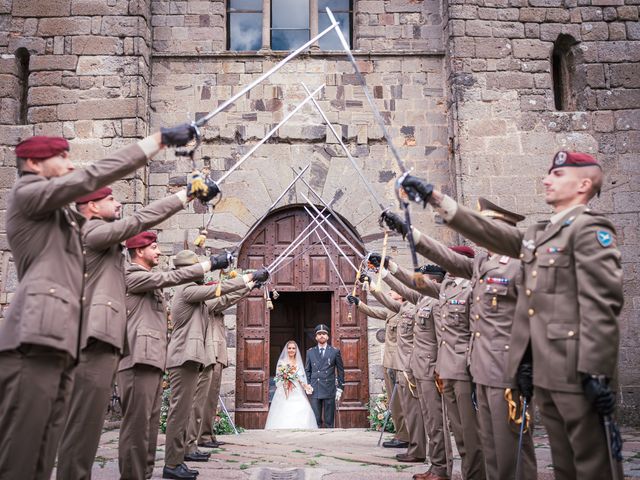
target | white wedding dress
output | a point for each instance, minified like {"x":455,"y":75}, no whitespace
{"x":294,"y":411}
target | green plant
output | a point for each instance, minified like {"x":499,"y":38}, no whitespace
{"x":377,"y":408}
{"x":164,"y":406}
{"x":222,"y":425}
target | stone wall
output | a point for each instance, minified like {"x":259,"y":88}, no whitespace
{"x":506,"y":128}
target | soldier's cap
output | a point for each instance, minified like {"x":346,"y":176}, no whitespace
{"x":433,"y":269}
{"x":41,"y":147}
{"x":322,"y":328}
{"x":104,"y":192}
{"x":464,"y":250}
{"x":141,"y":240}
{"x":491,"y":210}
{"x":185,"y":258}
{"x":573,"y":159}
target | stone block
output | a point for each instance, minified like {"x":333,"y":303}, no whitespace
{"x":493,"y":48}
{"x":546,"y":3}
{"x":625,"y":75}
{"x":96,"y":45}
{"x":35,"y":45}
{"x":618,"y":99}
{"x":510,"y":80}
{"x":42,"y":114}
{"x":591,"y":14}
{"x":627,"y":120}
{"x":91,"y":7}
{"x":9,"y":112}
{"x":121,"y":26}
{"x":464,"y":12}
{"x":106,"y":65}
{"x":532,"y":30}
{"x":532,"y":15}
{"x":609,"y":14}
{"x":595,"y":75}
{"x":50,"y":8}
{"x":487,"y":13}
{"x":607,"y":3}
{"x":629,"y":12}
{"x":478,"y":28}
{"x":617,"y":52}
{"x":53,"y":62}
{"x":594,"y":31}
{"x":633,"y":30}
{"x":50,"y":95}
{"x":462,"y":47}
{"x":399,"y":6}
{"x":107,"y":108}
{"x":617,"y":31}
{"x":67,"y":111}
{"x":64,"y":26}
{"x":487,"y":127}
{"x":508,"y":30}
{"x":603,"y":121}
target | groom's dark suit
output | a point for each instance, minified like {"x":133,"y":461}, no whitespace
{"x":321,"y":374}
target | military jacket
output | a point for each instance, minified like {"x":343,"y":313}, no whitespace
{"x":454,"y":329}
{"x":104,"y":317}
{"x":571,"y":297}
{"x":146,"y":332}
{"x":45,"y":240}
{"x":407,"y":314}
{"x":324,"y":373}
{"x":496,"y":280}
{"x":389,"y":359}
{"x":215,"y":340}
{"x":190,"y":317}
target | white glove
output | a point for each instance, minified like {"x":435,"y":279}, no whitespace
{"x":338,"y":394}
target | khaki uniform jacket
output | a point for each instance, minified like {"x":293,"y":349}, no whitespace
{"x":45,"y":240}
{"x":571,"y":298}
{"x":215,"y":340}
{"x":496,"y":281}
{"x":190,"y":318}
{"x":146,"y":333}
{"x":105,"y":316}
{"x":390,"y":330}
{"x":407,"y":316}
{"x":425,"y":341}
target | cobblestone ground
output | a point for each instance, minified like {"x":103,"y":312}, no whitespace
{"x":322,"y":454}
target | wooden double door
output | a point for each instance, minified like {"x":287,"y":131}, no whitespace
{"x":310,"y":292}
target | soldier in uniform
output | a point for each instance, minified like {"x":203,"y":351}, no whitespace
{"x":422,"y":365}
{"x":104,"y":320}
{"x":40,"y":334}
{"x":567,"y":311}
{"x":407,"y":393}
{"x":205,"y":402}
{"x":401,"y":438}
{"x":141,"y":367}
{"x":185,"y":360}
{"x":496,"y":280}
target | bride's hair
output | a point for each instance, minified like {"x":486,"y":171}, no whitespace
{"x":291,"y":342}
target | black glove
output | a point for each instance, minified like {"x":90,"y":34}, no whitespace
{"x":364,"y":277}
{"x":395,"y":223}
{"x":221,"y":261}
{"x":353,"y":300}
{"x":474,"y":396}
{"x":375,"y":259}
{"x":599,"y":394}
{"x":261,"y":275}
{"x":524,"y":380}
{"x":417,"y":189}
{"x":179,"y":135}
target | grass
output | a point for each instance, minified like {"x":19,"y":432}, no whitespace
{"x":312,"y":463}
{"x":100,"y":460}
{"x":298,"y":451}
{"x":243,"y":466}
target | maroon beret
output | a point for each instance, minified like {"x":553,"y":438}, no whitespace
{"x":573,"y":159}
{"x":95,"y":196}
{"x":141,"y":240}
{"x":41,"y":147}
{"x":464,"y":250}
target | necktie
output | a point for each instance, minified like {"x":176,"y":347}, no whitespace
{"x":322,"y":353}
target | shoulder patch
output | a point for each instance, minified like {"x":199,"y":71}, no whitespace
{"x":605,"y":238}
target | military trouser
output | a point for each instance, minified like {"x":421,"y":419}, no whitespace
{"x":413,"y":417}
{"x":183,"y":381}
{"x":141,"y":393}
{"x":576,"y":436}
{"x":500,"y":436}
{"x":396,"y":410}
{"x":431,"y":408}
{"x":209,"y":404}
{"x":92,"y":387}
{"x":36,"y":384}
{"x":464,"y":423}
{"x":324,"y":409}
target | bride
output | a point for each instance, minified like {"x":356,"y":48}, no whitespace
{"x":290,"y":407}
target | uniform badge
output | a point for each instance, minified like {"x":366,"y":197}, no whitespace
{"x":604,"y":238}
{"x":561,"y":157}
{"x":528,"y":244}
{"x":504,"y":259}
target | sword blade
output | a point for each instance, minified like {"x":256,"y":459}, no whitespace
{"x":522,"y":425}
{"x":335,"y":244}
{"x":332,"y":263}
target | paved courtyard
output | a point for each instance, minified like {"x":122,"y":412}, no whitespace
{"x":321,"y":454}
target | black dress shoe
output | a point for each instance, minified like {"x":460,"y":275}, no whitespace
{"x":190,"y":470}
{"x":180,"y":472}
{"x":197,"y":457}
{"x":395,"y":443}
{"x":405,"y":458}
{"x":210,"y":444}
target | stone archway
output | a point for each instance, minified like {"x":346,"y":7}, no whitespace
{"x":307,"y":279}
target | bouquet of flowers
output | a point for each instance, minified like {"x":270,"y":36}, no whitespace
{"x":288,"y":375}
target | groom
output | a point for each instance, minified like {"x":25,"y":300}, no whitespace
{"x":321,"y":366}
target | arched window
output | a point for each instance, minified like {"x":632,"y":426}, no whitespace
{"x":284,"y":24}
{"x":566,"y":65}
{"x":22,"y":63}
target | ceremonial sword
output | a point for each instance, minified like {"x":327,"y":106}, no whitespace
{"x":404,"y":204}
{"x":335,"y":244}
